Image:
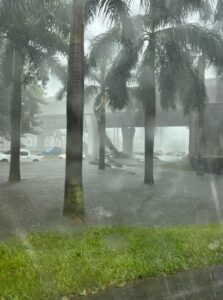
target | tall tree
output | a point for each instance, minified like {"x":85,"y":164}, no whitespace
{"x":15,"y":114}
{"x":37,"y":30}
{"x":164,"y":41}
{"x":218,"y":16}
{"x":167,"y":40}
{"x":99,"y":87}
{"x":82,"y":11}
{"x":73,"y":199}
{"x":217,"y":20}
{"x":33,"y":96}
{"x":95,"y":88}
{"x":4,"y":102}
{"x":218,"y":26}
{"x":115,"y":72}
{"x":98,"y":79}
{"x":201,"y":110}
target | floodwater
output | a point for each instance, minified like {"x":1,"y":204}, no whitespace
{"x":115,"y":197}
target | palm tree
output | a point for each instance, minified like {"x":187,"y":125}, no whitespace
{"x":99,"y":87}
{"x":36,"y":31}
{"x":166,"y":42}
{"x":216,"y":20}
{"x":218,"y":26}
{"x":33,"y":96}
{"x":96,"y":88}
{"x":111,"y":82}
{"x":82,"y":11}
{"x":4,"y":108}
{"x":73,"y":199}
{"x":201,"y":110}
{"x":218,"y":17}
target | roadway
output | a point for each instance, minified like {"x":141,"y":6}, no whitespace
{"x":116,"y":196}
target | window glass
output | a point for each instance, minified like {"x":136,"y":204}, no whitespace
{"x":24,"y":153}
{"x":7,"y":152}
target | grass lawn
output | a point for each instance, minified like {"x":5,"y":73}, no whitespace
{"x":45,"y":266}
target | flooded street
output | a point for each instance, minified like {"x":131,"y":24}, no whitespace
{"x":114,"y":197}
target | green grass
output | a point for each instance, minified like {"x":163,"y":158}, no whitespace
{"x":45,"y":266}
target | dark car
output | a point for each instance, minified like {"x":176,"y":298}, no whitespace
{"x":52,"y":151}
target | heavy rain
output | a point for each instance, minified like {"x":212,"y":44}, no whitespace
{"x":111,"y":149}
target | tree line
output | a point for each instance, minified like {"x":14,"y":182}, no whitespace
{"x":154,"y":53}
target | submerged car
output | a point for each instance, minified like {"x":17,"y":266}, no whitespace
{"x":51,"y":151}
{"x":63,"y":156}
{"x":25,"y":156}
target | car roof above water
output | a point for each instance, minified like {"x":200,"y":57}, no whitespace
{"x":21,"y":150}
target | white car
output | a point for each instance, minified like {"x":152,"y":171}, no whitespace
{"x":63,"y":156}
{"x":25,"y":156}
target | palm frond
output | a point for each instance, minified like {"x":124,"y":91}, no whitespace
{"x":160,"y":13}
{"x":60,"y":95}
{"x":219,"y":11}
{"x":199,"y":39}
{"x":41,"y":64}
{"x":144,"y":78}
{"x":90,"y":91}
{"x":114,"y":10}
{"x":178,"y":79}
{"x":118,"y":76}
{"x":93,"y":76}
{"x":103,"y":46}
{"x":56,"y":67}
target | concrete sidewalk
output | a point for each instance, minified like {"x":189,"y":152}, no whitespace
{"x":201,"y":284}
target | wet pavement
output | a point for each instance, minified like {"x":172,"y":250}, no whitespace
{"x":116,"y":196}
{"x":199,"y":284}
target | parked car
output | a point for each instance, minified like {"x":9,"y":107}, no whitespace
{"x":25,"y":156}
{"x":63,"y":156}
{"x":51,"y":151}
{"x":182,"y":154}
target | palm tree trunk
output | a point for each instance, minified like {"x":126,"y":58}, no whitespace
{"x":101,"y":126}
{"x":200,"y":158}
{"x":104,"y":140}
{"x":150,"y":116}
{"x":110,"y":145}
{"x":15,"y":116}
{"x":73,"y":198}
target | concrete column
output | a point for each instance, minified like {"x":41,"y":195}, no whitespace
{"x":41,"y":141}
{"x":128,"y":137}
{"x":219,"y":88}
{"x":193,"y":138}
{"x":93,"y":140}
